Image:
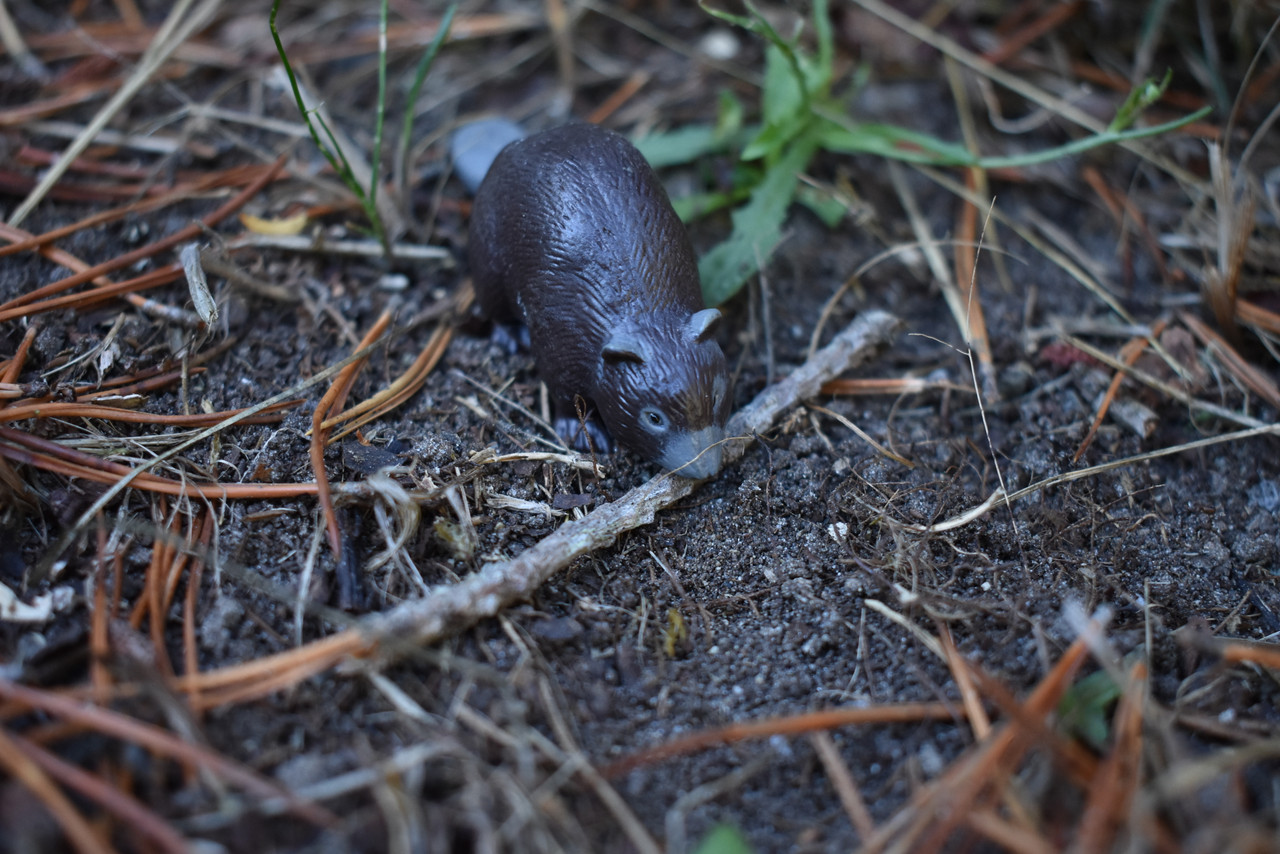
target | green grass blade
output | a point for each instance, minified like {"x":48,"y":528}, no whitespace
{"x":332,"y":152}
{"x":724,"y":839}
{"x":680,"y":146}
{"x":902,"y":144}
{"x":420,"y":77}
{"x":1089,"y":142}
{"x":297,"y":91}
{"x":380,"y":115}
{"x":892,"y":142}
{"x":757,"y":227}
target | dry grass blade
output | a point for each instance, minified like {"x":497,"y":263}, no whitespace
{"x":1249,"y":376}
{"x":573,"y":756}
{"x":100,"y":622}
{"x":950,"y":798}
{"x":795,"y":725}
{"x":1191,"y":775}
{"x":190,"y":658}
{"x":139,"y":819}
{"x":17,"y":48}
{"x":411,"y":36}
{"x":620,"y":96}
{"x":1076,"y":761}
{"x":408,"y":383}
{"x":13,"y":367}
{"x":106,"y":412}
{"x":855,"y":806}
{"x":332,"y":401}
{"x":1264,"y":430}
{"x":25,"y":769}
{"x":9,"y":309}
{"x":1235,"y":224}
{"x":142,"y":382}
{"x":1113,"y":788}
{"x":902,"y":385}
{"x":51,"y":456}
{"x":1129,"y":354}
{"x":1125,"y":210}
{"x":862,"y":434}
{"x":177,"y":28}
{"x":1050,"y":20}
{"x":124,"y":482}
{"x":1233,"y":650}
{"x":114,"y":724}
{"x":1255,"y":315}
{"x":966,"y":249}
{"x":943,"y":275}
{"x":1056,"y":257}
{"x":1014,"y":83}
{"x":182,"y":192}
{"x":404,"y":387}
{"x":1166,"y":388}
{"x":260,"y":677}
{"x":172,"y":554}
{"x":17,"y":116}
{"x":974,"y":712}
{"x":81,"y":301}
{"x":1010,"y":836}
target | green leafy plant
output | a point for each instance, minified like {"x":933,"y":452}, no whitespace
{"x":328,"y":143}
{"x":724,"y":839}
{"x":1084,"y":709}
{"x":800,"y":116}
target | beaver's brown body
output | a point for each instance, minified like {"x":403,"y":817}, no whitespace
{"x":573,"y":236}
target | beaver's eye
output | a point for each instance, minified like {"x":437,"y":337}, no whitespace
{"x":653,"y":420}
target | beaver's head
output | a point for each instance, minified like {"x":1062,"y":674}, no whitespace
{"x":663,"y":390}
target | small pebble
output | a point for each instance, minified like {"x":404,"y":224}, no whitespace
{"x":475,"y":146}
{"x":719,"y":44}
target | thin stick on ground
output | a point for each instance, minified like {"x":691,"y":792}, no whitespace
{"x":497,"y":585}
{"x":448,"y":609}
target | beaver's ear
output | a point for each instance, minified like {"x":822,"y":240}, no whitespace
{"x":703,"y":324}
{"x":625,"y":345}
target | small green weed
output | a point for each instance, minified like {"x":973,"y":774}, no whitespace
{"x":1085,"y":709}
{"x":328,"y":143}
{"x":801,"y":115}
{"x":724,"y":839}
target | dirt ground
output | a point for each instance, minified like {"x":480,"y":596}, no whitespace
{"x":820,"y":571}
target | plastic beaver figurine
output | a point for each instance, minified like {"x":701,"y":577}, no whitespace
{"x":573,"y":236}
